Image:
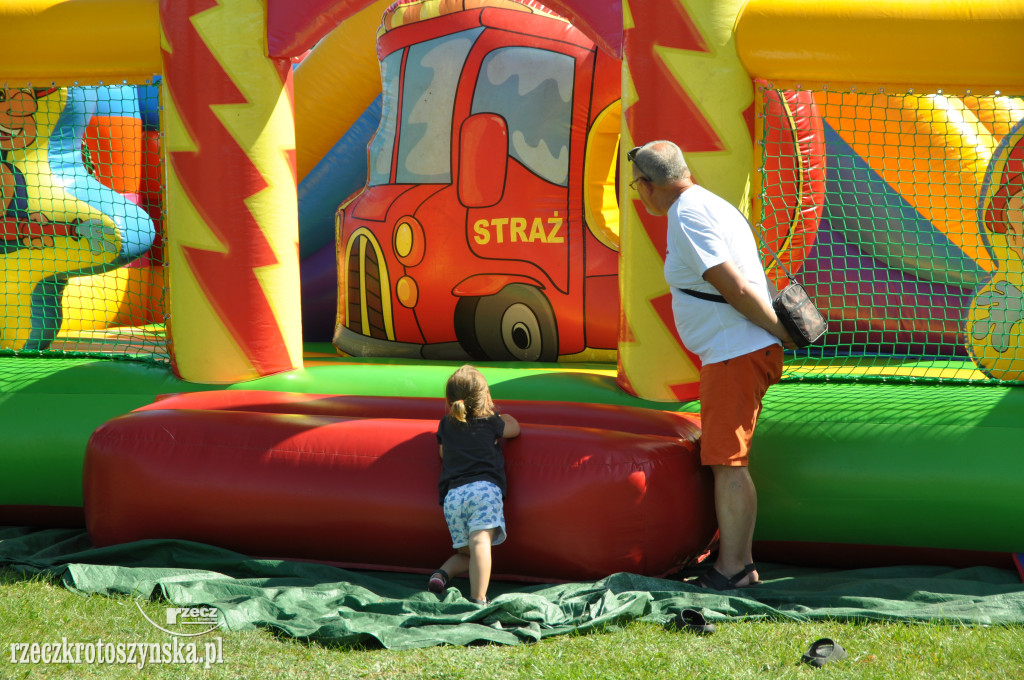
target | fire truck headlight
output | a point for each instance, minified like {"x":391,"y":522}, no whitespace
{"x":407,"y":291}
{"x":408,"y":241}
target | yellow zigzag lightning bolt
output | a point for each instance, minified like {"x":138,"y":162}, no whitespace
{"x":232,"y":240}
{"x":719,"y":86}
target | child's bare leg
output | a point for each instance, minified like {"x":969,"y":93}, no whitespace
{"x":480,"y":562}
{"x":457,"y":564}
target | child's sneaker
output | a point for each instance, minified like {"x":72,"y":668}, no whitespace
{"x":438,"y":582}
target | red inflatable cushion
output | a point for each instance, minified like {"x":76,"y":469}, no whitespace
{"x":329,"y":478}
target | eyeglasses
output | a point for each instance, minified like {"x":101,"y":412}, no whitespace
{"x":632,"y":185}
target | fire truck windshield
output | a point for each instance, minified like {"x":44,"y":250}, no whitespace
{"x":423,"y":127}
{"x":532,"y":90}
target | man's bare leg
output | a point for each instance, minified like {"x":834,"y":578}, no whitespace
{"x":736,"y":507}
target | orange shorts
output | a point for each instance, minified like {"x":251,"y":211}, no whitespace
{"x":730,"y":402}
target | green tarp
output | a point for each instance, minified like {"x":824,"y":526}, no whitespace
{"x":329,"y":604}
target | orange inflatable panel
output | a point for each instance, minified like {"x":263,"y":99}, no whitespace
{"x":592,"y":489}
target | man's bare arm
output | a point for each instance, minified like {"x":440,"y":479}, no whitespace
{"x":737,"y":292}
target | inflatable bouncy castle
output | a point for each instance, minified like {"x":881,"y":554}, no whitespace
{"x":496,"y":151}
{"x":283,"y":213}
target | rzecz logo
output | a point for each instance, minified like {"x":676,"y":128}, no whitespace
{"x":184,"y":621}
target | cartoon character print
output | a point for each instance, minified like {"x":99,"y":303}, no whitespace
{"x":56,"y":220}
{"x":995,"y":322}
{"x":18,"y":131}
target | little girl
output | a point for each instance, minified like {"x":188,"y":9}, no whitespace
{"x":472,"y":484}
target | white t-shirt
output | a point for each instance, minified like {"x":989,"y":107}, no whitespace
{"x":705,"y":230}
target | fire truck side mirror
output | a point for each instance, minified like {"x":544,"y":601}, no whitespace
{"x":483,"y":160}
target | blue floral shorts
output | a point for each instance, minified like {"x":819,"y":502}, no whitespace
{"x":474,"y":507}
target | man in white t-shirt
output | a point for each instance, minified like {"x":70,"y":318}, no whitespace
{"x":724,"y":315}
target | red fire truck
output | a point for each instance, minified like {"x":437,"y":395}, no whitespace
{"x":488,"y":228}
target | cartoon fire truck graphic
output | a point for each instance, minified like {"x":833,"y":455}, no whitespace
{"x":488,"y":228}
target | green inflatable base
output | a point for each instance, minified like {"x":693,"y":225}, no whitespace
{"x":936,"y":466}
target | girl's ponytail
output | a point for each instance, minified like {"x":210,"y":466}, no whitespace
{"x":458,"y":410}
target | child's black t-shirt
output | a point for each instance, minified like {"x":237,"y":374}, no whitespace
{"x":471,"y":453}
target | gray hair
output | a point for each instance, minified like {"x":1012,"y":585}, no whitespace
{"x":661,"y":161}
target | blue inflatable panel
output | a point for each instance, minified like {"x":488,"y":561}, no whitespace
{"x":149,"y":104}
{"x":338,"y":175}
{"x":319,"y":294}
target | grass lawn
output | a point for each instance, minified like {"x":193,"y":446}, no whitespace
{"x":39,"y":610}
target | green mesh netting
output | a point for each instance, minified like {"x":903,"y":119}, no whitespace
{"x":81,"y":258}
{"x":901,"y":216}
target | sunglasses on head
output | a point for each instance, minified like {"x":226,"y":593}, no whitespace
{"x":631,"y":157}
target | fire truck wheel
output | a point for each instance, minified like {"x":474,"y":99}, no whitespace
{"x":514,"y":324}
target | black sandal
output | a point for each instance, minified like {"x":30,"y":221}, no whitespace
{"x":692,"y":620}
{"x":823,"y":651}
{"x":713,"y":579}
{"x":438,"y":582}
